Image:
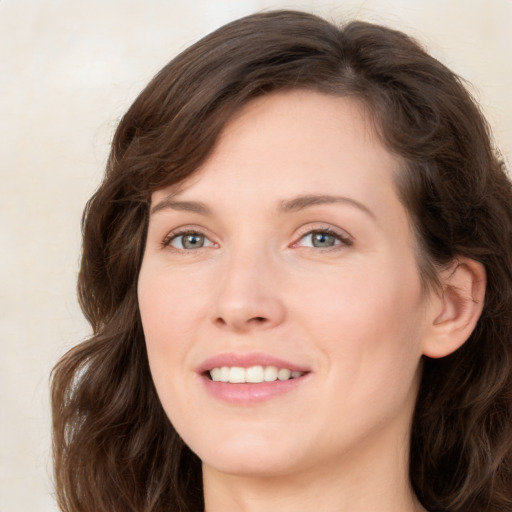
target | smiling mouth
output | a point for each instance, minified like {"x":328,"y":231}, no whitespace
{"x":252,"y":375}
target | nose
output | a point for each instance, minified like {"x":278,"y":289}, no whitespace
{"x":249,"y":295}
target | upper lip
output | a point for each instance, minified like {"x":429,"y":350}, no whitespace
{"x":246,"y":360}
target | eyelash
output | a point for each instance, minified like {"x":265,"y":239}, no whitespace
{"x":167,"y":241}
{"x":344,"y":240}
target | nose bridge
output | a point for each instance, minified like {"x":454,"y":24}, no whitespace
{"x":248,"y":293}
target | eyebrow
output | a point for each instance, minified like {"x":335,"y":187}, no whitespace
{"x":288,"y":206}
{"x":305,"y":201}
{"x":187,"y":206}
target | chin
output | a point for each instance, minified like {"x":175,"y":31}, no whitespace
{"x":248,"y":456}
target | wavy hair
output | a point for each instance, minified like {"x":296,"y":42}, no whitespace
{"x":114,"y":448}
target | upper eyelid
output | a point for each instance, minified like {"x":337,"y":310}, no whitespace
{"x":184,"y":230}
{"x":344,"y":238}
{"x":341,"y":233}
{"x":189,"y":228}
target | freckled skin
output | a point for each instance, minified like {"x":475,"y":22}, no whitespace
{"x":353,"y":312}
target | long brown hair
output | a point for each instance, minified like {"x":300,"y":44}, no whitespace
{"x":114,"y":448}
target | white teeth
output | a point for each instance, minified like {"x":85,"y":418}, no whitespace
{"x":270,"y":373}
{"x":284,"y":374}
{"x":224,"y":374}
{"x":253,"y":374}
{"x":237,"y":375}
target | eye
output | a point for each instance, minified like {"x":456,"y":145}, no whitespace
{"x":188,"y":240}
{"x":323,"y":239}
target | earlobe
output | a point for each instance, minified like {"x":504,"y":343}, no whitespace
{"x":457,"y":308}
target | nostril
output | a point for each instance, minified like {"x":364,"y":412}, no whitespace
{"x":242,"y":322}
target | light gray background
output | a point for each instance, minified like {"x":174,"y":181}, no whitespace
{"x":68,"y":70}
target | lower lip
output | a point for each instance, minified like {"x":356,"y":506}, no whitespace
{"x":248,"y":393}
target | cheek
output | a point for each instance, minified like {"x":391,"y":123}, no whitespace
{"x":170,"y":305}
{"x":159,"y":310}
{"x":174,"y":309}
{"x":368,"y":321}
{"x":366,"y":296}
{"x":167,"y":319}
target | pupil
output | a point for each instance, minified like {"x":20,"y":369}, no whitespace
{"x":323,"y":240}
{"x":192,"y":241}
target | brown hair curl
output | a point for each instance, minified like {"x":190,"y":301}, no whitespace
{"x":114,"y":448}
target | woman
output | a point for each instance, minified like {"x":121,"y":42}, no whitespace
{"x":298,"y":270}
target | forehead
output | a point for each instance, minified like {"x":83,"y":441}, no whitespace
{"x":295,"y":142}
{"x":294,"y":117}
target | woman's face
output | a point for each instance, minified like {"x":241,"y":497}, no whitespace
{"x":288,"y":255}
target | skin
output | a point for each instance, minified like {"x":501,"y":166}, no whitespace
{"x":354,"y":314}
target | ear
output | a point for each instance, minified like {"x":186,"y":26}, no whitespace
{"x":456,"y":309}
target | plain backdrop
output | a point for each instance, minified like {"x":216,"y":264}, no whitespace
{"x":68,"y":71}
